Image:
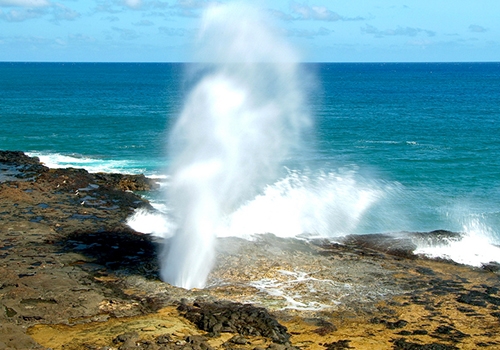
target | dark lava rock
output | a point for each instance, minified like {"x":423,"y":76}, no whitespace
{"x":388,"y":324}
{"x":325,"y":328}
{"x":239,"y":340}
{"x":405,"y":333}
{"x":338,"y":345}
{"x":163,"y":339}
{"x":18,"y":166}
{"x":17,"y":158}
{"x":125,"y":182}
{"x":492,"y":267}
{"x":496,"y":314}
{"x":436,"y":237}
{"x":487,"y":344}
{"x":425,"y":271}
{"x":388,"y":244}
{"x":129,"y":340}
{"x":402,"y":344}
{"x":274,"y":346}
{"x":477,"y":298}
{"x":115,"y":249}
{"x":445,"y":287}
{"x":449,"y":333}
{"x":244,"y":319}
{"x":29,"y":167}
{"x":126,"y":336}
{"x":197,"y":342}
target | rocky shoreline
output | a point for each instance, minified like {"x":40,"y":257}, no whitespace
{"x":75,"y":276}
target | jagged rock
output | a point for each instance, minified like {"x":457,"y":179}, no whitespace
{"x":401,"y":247}
{"x":17,"y":158}
{"x":244,"y":319}
{"x":125,"y":182}
{"x":16,"y":166}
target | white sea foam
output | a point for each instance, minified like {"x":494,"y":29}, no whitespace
{"x":475,"y":248}
{"x":303,"y":204}
{"x":93,"y":165}
{"x":316,"y":205}
{"x":311,"y":205}
{"x":286,"y":288}
{"x":156,"y":224}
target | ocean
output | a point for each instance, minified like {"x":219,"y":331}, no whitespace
{"x":392,"y":147}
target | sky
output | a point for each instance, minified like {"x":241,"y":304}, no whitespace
{"x":321,"y":30}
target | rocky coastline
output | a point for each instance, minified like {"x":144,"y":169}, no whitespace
{"x":73,"y":275}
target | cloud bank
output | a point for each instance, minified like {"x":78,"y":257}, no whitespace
{"x":24,"y":3}
{"x":22,"y":10}
{"x":399,"y":31}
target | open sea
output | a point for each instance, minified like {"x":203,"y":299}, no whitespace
{"x":393,"y":147}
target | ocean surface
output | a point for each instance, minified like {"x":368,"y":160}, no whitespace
{"x":393,"y":147}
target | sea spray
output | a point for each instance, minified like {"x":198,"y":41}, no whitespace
{"x":306,"y":204}
{"x":240,"y":121}
{"x":475,"y":246}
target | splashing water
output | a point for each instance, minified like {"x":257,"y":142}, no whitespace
{"x":239,"y":122}
{"x":475,"y":248}
{"x":304,"y":203}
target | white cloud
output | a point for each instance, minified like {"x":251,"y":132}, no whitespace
{"x":320,"y":13}
{"x":61,"y":12}
{"x":143,"y":23}
{"x":60,"y":41}
{"x":399,"y":31}
{"x":21,"y":15}
{"x":191,"y":4}
{"x":55,"y":12}
{"x":477,"y":29}
{"x":280,"y":15}
{"x":118,"y":6}
{"x":176,"y":31}
{"x":309,"y":34}
{"x":423,"y":43}
{"x":111,"y":18}
{"x":126,"y":34}
{"x":314,"y":13}
{"x":156,"y":4}
{"x":24,"y":3}
{"x":81,"y":38}
{"x":191,"y":8}
{"x":34,"y":41}
{"x":133,"y":4}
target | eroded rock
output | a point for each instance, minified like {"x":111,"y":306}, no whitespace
{"x":244,"y":319}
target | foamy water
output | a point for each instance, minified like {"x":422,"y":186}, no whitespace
{"x":96,"y":165}
{"x":329,"y":205}
{"x":286,"y":288}
{"x":475,"y":248}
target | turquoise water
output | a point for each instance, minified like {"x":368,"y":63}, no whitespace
{"x":433,"y":128}
{"x":115,"y":114}
{"x":394,"y":147}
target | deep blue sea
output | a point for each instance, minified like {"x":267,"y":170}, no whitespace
{"x":393,"y":146}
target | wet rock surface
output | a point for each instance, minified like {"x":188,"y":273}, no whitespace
{"x":74,"y":276}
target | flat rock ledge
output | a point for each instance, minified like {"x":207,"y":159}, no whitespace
{"x":75,"y":276}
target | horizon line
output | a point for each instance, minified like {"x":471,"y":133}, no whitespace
{"x":301,"y":62}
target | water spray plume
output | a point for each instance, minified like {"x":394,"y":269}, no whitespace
{"x":239,"y":122}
